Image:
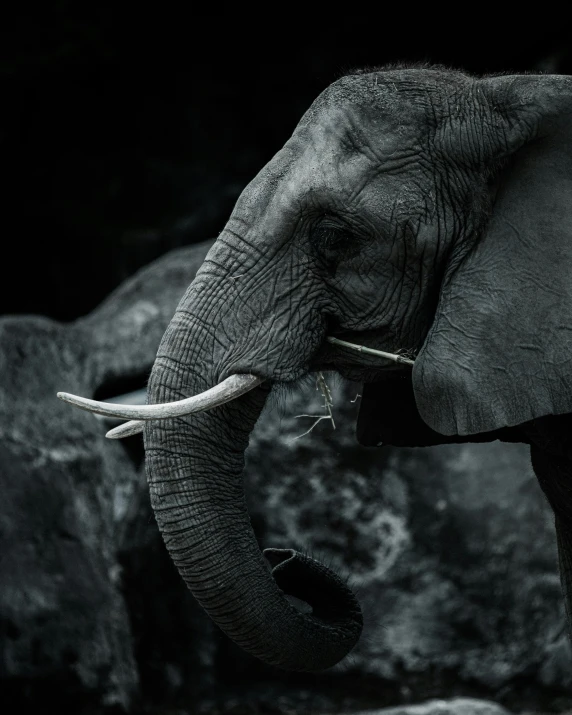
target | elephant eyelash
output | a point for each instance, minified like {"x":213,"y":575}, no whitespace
{"x":332,"y":241}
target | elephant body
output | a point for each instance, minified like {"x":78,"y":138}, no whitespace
{"x":416,"y":211}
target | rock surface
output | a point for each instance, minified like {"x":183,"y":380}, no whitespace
{"x":451,"y":549}
{"x":456,"y":706}
{"x":74,"y":512}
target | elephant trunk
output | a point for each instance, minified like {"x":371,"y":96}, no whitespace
{"x":195,"y":470}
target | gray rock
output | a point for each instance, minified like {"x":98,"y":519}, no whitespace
{"x":456,"y":706}
{"x":72,"y":500}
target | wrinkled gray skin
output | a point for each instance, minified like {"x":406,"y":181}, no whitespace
{"x":415,"y":209}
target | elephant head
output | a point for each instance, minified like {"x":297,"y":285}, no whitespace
{"x":413,"y":209}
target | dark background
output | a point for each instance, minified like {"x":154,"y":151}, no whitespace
{"x":124,"y":135}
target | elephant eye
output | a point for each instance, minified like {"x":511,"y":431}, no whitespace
{"x":331,"y":241}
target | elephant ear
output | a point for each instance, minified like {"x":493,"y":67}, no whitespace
{"x":388,"y":416}
{"x":499,"y":352}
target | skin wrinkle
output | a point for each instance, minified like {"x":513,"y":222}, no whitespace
{"x":205,"y":326}
{"x":213,"y":318}
{"x":290,"y":311}
{"x":170,"y":366}
{"x":265,"y":327}
{"x":183,"y":504}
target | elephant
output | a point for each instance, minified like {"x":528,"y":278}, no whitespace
{"x":417,"y":211}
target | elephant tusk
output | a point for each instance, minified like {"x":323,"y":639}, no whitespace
{"x":225,"y":391}
{"x":370,"y":351}
{"x":128,"y":429}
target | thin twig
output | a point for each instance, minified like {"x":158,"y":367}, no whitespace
{"x":370,"y":351}
{"x":321,"y":385}
{"x":322,"y":417}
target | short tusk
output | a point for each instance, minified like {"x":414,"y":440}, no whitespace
{"x":227,"y":390}
{"x":370,"y":351}
{"x":128,"y":429}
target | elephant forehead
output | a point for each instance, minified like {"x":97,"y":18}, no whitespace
{"x":333,"y":156}
{"x":345,"y":153}
{"x":358,"y":137}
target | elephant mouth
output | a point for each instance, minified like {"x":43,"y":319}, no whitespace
{"x":330,"y":356}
